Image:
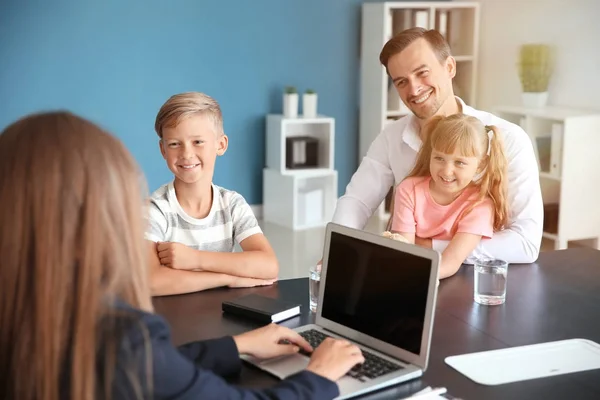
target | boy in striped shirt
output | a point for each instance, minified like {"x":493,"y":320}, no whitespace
{"x":193,"y":223}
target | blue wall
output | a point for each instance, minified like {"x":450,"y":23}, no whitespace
{"x":116,"y":62}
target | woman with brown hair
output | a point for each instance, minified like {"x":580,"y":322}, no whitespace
{"x":76,"y":317}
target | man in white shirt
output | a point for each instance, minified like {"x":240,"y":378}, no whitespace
{"x":422,"y":69}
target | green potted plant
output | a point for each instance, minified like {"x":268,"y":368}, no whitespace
{"x":309,"y":104}
{"x":535,"y":68}
{"x":290,"y":102}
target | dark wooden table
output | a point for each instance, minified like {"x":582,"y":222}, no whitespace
{"x":556,"y":298}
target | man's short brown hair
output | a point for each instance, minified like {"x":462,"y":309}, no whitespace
{"x":402,"y":40}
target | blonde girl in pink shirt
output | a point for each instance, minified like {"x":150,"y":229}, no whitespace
{"x":457,"y":189}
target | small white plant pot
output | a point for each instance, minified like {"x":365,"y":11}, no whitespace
{"x":535,"y":99}
{"x":290,"y":105}
{"x":309,"y":105}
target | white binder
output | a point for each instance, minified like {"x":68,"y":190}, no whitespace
{"x":528,"y":362}
{"x":556,"y":146}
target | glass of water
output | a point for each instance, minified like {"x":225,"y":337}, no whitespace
{"x":314,"y":278}
{"x":490,"y":281}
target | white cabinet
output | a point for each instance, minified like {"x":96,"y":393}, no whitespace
{"x":458,"y":21}
{"x":299,"y":181}
{"x":301,"y":200}
{"x":566,"y":142}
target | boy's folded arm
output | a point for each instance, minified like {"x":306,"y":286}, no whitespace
{"x":257,"y":260}
{"x":166,"y":281}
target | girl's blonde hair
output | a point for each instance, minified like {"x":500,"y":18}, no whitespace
{"x":469,"y":137}
{"x":72,"y":243}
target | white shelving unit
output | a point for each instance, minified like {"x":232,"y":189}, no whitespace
{"x":566,"y":142}
{"x":458,"y":21}
{"x":299,"y":198}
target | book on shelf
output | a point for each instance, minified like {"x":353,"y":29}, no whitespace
{"x":556,"y":146}
{"x":441,"y":23}
{"x":543,"y":144}
{"x":421,"y":19}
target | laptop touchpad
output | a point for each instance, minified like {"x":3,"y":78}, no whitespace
{"x":283,"y":367}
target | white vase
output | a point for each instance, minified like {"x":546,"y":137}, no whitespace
{"x":290,"y":105}
{"x":534,"y":99}
{"x":309,"y":105}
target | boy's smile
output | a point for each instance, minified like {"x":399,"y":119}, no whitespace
{"x":187,"y":167}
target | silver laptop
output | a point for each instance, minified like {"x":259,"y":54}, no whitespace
{"x":379,"y":294}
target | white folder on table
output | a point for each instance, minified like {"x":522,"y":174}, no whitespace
{"x":528,"y":362}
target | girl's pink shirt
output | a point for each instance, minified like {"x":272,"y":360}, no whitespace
{"x":416,"y":212}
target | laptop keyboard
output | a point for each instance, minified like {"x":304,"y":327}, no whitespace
{"x":373,"y":367}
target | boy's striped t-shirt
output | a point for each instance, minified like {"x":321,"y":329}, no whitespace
{"x":229,"y":221}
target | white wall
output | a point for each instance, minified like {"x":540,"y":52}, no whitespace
{"x":572,"y":26}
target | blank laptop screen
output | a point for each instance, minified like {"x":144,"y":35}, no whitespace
{"x":376,"y":290}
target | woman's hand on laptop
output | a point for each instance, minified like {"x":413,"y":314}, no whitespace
{"x":334,"y":357}
{"x":271,"y":341}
